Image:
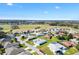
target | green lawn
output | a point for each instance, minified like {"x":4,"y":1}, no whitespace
{"x":54,"y":39}
{"x":46,"y":50}
{"x":30,"y":49}
{"x":71,"y":51}
{"x":34,"y":53}
{"x":30,"y":42}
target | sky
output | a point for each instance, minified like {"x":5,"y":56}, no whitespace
{"x":39,"y":11}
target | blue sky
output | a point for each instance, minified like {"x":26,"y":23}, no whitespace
{"x":39,"y":11}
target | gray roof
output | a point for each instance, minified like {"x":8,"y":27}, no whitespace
{"x":8,"y":45}
{"x":15,"y":51}
{"x":25,"y":53}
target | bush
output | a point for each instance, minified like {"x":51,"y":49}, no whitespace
{"x":22,"y":46}
{"x":2,"y":49}
{"x":77,"y":46}
{"x":2,"y":34}
{"x":23,"y":38}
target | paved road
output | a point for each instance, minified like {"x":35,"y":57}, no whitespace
{"x":30,"y":46}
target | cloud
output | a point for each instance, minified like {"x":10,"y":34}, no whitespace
{"x":57,"y":7}
{"x":9,"y":4}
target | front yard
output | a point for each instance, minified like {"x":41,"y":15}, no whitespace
{"x":30,"y":42}
{"x":71,"y":51}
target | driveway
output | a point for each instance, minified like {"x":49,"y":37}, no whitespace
{"x":30,"y":46}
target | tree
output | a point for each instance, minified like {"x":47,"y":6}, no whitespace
{"x":23,"y":37}
{"x":14,"y":40}
{"x":61,"y":37}
{"x":76,"y":26}
{"x":2,"y":34}
{"x":70,"y":36}
{"x":65,"y":32}
{"x":2,"y":49}
{"x":77,"y":46}
{"x":1,"y":28}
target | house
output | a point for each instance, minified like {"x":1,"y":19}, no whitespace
{"x":37,"y":34}
{"x":61,"y":33}
{"x":8,"y":45}
{"x":76,"y":35}
{"x":25,"y":53}
{"x":68,"y":43}
{"x":48,"y":36}
{"x":2,"y":39}
{"x":55,"y":29}
{"x":31,"y":37}
{"x":74,"y":40}
{"x":39,"y":41}
{"x":57,"y":48}
{"x":16,"y":51}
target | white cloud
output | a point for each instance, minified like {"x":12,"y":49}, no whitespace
{"x":10,"y":4}
{"x":57,"y":7}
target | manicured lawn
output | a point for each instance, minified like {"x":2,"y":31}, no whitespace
{"x":34,"y":53}
{"x":45,"y":49}
{"x":71,"y":51}
{"x":54,"y":39}
{"x":30,"y":42}
{"x":30,"y":49}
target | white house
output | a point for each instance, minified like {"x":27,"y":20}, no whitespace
{"x":31,"y":37}
{"x":57,"y":48}
{"x":39,"y":41}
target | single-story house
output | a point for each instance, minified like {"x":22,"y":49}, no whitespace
{"x":60,"y":33}
{"x":8,"y":45}
{"x":31,"y":37}
{"x":39,"y":41}
{"x":57,"y":48}
{"x":68,"y":43}
{"x":2,"y":39}
{"x":37,"y":34}
{"x":55,"y":29}
{"x":76,"y":35}
{"x":49,"y":36}
{"x":16,"y":51}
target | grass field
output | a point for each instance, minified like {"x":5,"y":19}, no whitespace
{"x":7,"y":27}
